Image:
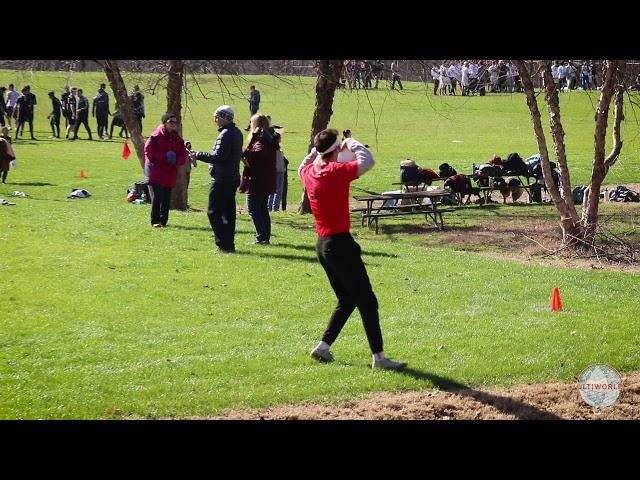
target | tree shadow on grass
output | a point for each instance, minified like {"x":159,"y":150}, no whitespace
{"x":312,"y":248}
{"x":285,"y":256}
{"x":32,"y":184}
{"x":204,"y":228}
{"x":506,"y":405}
{"x":390,"y":229}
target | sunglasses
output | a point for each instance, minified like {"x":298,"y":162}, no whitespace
{"x":172,"y":121}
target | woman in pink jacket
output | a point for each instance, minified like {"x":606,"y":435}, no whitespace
{"x":164,"y":152}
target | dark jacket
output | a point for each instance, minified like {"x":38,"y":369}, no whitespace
{"x":261,"y":157}
{"x":156,"y":167}
{"x":224,"y":158}
{"x":56,"y":106}
{"x":82,"y":113}
{"x":137,"y":98}
{"x":100,"y":105}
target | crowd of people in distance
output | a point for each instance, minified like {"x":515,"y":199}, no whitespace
{"x":73,"y":107}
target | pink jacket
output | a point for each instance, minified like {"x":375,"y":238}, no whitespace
{"x":156,"y":167}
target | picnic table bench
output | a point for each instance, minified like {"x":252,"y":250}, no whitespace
{"x":483,"y":192}
{"x":432,"y":211}
{"x":526,"y":185}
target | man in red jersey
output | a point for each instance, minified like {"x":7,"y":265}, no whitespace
{"x":326,"y":174}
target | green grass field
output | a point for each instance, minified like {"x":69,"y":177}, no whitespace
{"x":102,"y":316}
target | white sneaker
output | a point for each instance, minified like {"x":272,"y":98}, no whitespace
{"x":322,"y":355}
{"x":388,"y":364}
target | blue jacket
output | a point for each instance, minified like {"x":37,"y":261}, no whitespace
{"x":224,"y":159}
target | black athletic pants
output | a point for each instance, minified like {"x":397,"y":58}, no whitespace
{"x":160,"y":204}
{"x":103,"y":124}
{"x":55,"y":125}
{"x":340,"y":256}
{"x":222,"y":213}
{"x":82,"y":121}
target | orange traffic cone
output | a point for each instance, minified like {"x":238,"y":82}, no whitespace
{"x":82,"y":175}
{"x":556,"y":303}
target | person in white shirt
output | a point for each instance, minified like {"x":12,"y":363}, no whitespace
{"x":444,"y":80}
{"x":562,"y":76}
{"x":395,"y":76}
{"x":451,"y":73}
{"x":473,"y":77}
{"x":493,"y":76}
{"x":275,"y":199}
{"x":511,"y":77}
{"x":464,"y":80}
{"x":12,"y":100}
{"x":435,"y":74}
{"x":555,"y":73}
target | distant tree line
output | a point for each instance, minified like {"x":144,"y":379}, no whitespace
{"x":411,"y":70}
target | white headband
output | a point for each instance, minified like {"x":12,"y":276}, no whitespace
{"x":335,"y":145}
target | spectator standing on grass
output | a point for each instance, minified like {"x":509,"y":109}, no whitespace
{"x":82,"y":115}
{"x":327,"y":184}
{"x":224,"y":168}
{"x":493,"y":75}
{"x":260,"y":166}
{"x":71,"y":107}
{"x":562,"y":76}
{"x":137,"y":98}
{"x":395,"y":74}
{"x":464,"y":78}
{"x":474,"y":70}
{"x":444,"y":80}
{"x":7,"y":155}
{"x":254,"y":103}
{"x":275,"y":199}
{"x":25,"y":106}
{"x":54,"y":116}
{"x":435,"y":75}
{"x":12,"y":100}
{"x":164,"y":152}
{"x":3,"y":105}
{"x":100,"y":111}
{"x":64,"y":99}
{"x":118,"y":121}
{"x":593,"y":78}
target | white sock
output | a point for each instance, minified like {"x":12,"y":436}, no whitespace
{"x":323,"y":346}
{"x":378,"y":356}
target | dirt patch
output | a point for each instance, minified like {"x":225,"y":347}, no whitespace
{"x":552,"y":401}
{"x":535,"y":237}
{"x":534,"y":242}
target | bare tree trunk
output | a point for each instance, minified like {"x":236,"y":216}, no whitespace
{"x":180,"y":193}
{"x":578,"y":232}
{"x":568,"y":216}
{"x":328,"y":77}
{"x":125,"y":105}
{"x":618,"y":118}
{"x":612,"y":83}
{"x":553,"y":101}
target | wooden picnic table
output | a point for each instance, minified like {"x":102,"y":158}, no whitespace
{"x":415,"y":206}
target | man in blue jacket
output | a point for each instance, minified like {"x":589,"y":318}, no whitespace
{"x":224,"y":168}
